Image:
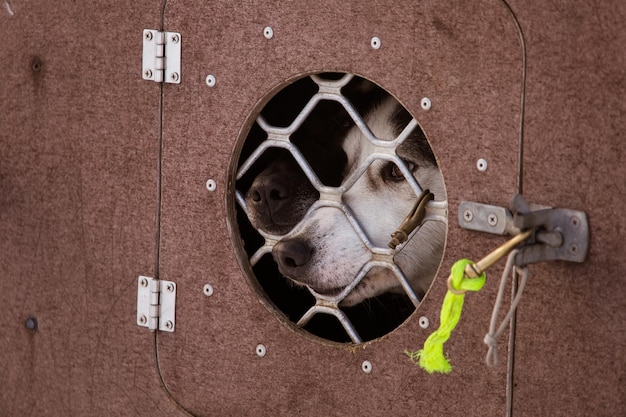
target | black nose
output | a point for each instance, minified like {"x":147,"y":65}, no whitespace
{"x":292,"y":257}
{"x":268,"y":194}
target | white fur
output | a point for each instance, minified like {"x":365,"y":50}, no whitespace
{"x":379,"y":208}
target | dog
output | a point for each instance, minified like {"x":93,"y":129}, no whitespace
{"x":280,"y":196}
{"x":322,"y":250}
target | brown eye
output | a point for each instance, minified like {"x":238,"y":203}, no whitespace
{"x":393,"y":172}
{"x":396,"y":173}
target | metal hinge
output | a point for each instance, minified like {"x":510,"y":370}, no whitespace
{"x":156,"y":304}
{"x":161,"y":56}
{"x":558,"y":234}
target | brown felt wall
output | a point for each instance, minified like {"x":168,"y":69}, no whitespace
{"x":78,"y":199}
{"x":81,"y":146}
{"x":571,"y":337}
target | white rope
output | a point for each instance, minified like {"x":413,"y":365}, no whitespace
{"x":491,"y":338}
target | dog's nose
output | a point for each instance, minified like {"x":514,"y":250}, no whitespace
{"x":269,"y":193}
{"x":292,"y":257}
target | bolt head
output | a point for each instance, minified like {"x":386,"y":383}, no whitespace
{"x":492,"y":219}
{"x":36,"y":64}
{"x":261,"y":350}
{"x":211,"y":185}
{"x":31,"y":323}
{"x":468,"y":215}
{"x":208,"y":290}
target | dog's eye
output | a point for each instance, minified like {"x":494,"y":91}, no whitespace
{"x":393,"y":173}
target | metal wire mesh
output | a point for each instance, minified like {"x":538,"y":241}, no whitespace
{"x":280,"y":137}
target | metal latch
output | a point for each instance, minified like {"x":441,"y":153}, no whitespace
{"x":558,"y":234}
{"x":161,"y":56}
{"x":156,"y":304}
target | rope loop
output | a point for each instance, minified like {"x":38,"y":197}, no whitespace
{"x":491,"y":338}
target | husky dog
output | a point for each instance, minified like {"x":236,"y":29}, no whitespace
{"x":323,"y":251}
{"x":279,"y":196}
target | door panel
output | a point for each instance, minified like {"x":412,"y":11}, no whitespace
{"x":78,"y":203}
{"x":466,"y":59}
{"x":571,"y":337}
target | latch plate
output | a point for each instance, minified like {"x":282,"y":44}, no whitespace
{"x":156,"y":304}
{"x":486,"y":218}
{"x":161,"y":56}
{"x":560,"y":234}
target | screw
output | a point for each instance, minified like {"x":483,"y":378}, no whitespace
{"x":142,"y":319}
{"x":143,"y":282}
{"x":366,"y":367}
{"x":170,"y":287}
{"x":211,"y":185}
{"x":261,"y":350}
{"x":468,"y":215}
{"x":424,"y":322}
{"x":36,"y":64}
{"x":575,"y":221}
{"x":492,"y":219}
{"x":210,"y":80}
{"x":268,"y":32}
{"x":426,"y":103}
{"x":375,"y":42}
{"x":207,"y":290}
{"x":148,"y":35}
{"x":175,"y":38}
{"x":169,"y":325}
{"x":573,"y":249}
{"x":31,"y":323}
{"x":174,"y":76}
{"x":481,"y":164}
{"x":148,"y":73}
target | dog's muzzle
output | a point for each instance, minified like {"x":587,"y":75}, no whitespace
{"x":292,"y":257}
